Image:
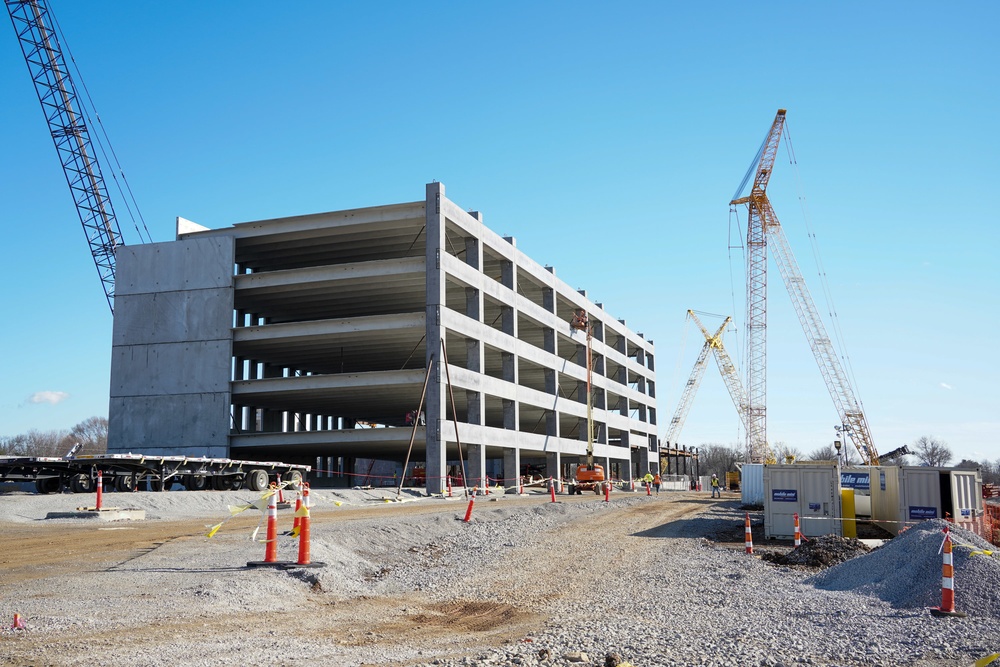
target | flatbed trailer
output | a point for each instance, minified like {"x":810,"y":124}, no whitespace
{"x":130,"y":472}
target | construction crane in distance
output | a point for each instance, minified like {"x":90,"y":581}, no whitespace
{"x":694,"y":380}
{"x":763,"y":226}
{"x":68,"y":128}
{"x":729,"y":375}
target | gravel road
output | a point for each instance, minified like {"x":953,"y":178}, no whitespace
{"x":644,"y":580}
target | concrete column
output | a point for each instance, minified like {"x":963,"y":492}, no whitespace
{"x":475,"y":466}
{"x":511,"y":467}
{"x":474,"y":303}
{"x":549,"y":298}
{"x":510,"y":415}
{"x":553,"y":467}
{"x":474,"y":253}
{"x":474,"y":355}
{"x":436,"y":386}
{"x":645,"y":460}
{"x":475,"y":402}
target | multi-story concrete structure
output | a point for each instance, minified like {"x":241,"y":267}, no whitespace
{"x":309,"y":337}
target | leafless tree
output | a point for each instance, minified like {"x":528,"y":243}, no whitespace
{"x":718,"y":459}
{"x":931,"y":452}
{"x":783,"y":450}
{"x":92,"y":433}
{"x":47,"y":443}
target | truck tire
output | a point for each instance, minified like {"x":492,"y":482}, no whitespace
{"x":227,"y":482}
{"x":128,"y":482}
{"x":47,"y":485}
{"x":81,"y":483}
{"x":195,"y":482}
{"x":294,"y":479}
{"x":257,"y":480}
{"x":156,"y":484}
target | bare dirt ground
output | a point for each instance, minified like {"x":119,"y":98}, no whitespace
{"x":86,"y":586}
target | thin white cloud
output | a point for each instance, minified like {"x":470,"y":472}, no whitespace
{"x":945,"y":385}
{"x":50,"y":397}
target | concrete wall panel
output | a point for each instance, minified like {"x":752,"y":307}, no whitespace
{"x":197,"y":263}
{"x":193,"y":367}
{"x":168,"y":317}
{"x":189,"y":424}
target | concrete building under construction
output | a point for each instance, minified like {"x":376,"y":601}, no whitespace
{"x":307,"y":339}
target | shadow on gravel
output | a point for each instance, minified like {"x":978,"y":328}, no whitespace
{"x":719,"y":522}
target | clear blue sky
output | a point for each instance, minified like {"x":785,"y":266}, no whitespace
{"x":608,"y":138}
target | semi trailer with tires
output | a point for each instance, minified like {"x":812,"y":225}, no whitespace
{"x":131,"y":472}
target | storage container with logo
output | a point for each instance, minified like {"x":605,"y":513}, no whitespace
{"x":811,"y":490}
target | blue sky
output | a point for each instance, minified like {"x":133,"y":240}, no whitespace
{"x":607,"y":138}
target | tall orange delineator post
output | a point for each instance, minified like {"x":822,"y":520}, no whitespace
{"x":749,"y":535}
{"x":100,"y":490}
{"x":18,"y":623}
{"x":649,"y":489}
{"x":271,"y":550}
{"x":607,"y":492}
{"x":297,"y":523}
{"x":304,"y":534}
{"x":552,"y":488}
{"x":449,"y":486}
{"x":304,"y":528}
{"x":947,"y":607}
{"x":798,"y":535}
{"x":472,"y":501}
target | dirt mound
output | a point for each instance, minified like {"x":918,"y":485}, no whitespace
{"x":823,"y":551}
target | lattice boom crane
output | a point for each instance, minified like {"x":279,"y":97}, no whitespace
{"x":763,"y":225}
{"x":58,"y":98}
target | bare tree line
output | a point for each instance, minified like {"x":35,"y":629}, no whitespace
{"x":91,"y":434}
{"x":925,"y":450}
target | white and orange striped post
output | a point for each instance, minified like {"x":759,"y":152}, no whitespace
{"x":281,"y":495}
{"x":947,"y":607}
{"x":486,"y":485}
{"x":552,"y":488}
{"x":100,"y":490}
{"x":18,"y":623}
{"x":271,"y":550}
{"x":749,"y":536}
{"x":798,"y":535}
{"x":449,"y":486}
{"x":304,"y":546}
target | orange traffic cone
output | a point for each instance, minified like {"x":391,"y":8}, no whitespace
{"x":749,"y":536}
{"x":798,"y":535}
{"x":271,"y":541}
{"x":18,"y":623}
{"x":472,"y":501}
{"x":552,"y":488}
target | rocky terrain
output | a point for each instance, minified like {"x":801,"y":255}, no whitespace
{"x":639,"y":580}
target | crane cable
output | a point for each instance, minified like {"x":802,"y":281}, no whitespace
{"x":824,"y":282}
{"x":89,"y":110}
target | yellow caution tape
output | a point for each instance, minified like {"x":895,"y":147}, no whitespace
{"x":302,"y":511}
{"x":982,"y":662}
{"x":214,"y":529}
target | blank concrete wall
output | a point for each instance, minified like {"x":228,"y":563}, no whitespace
{"x":172,"y":348}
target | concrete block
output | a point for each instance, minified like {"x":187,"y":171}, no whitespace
{"x":168,"y":317}
{"x":194,"y":367}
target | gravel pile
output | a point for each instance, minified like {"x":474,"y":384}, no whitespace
{"x":906,"y":571}
{"x":822,"y":551}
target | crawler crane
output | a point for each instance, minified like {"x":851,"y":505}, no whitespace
{"x":763,"y":226}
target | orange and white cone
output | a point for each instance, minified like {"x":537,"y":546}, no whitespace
{"x":947,"y":607}
{"x":798,"y":535}
{"x":649,"y":489}
{"x":552,"y":488}
{"x":449,"y":486}
{"x":749,"y":536}
{"x":281,"y":496}
{"x":18,"y":623}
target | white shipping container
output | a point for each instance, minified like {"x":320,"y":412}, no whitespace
{"x":911,"y":494}
{"x":752,"y":484}
{"x":810,"y":490}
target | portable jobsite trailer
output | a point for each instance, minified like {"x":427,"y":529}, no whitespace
{"x":858,"y":479}
{"x":811,"y":490}
{"x":905,"y":495}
